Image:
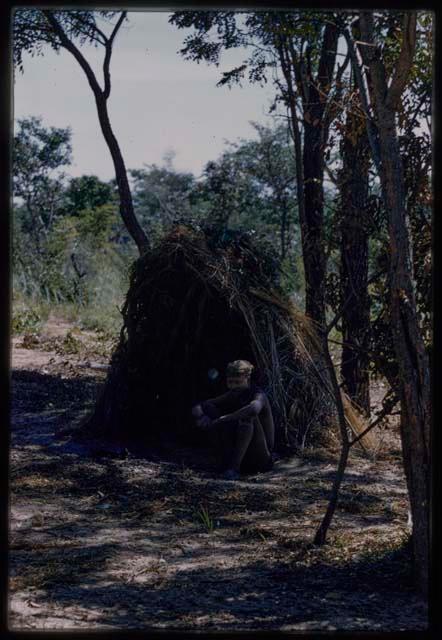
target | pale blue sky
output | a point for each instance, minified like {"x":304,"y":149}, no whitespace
{"x":158,"y":102}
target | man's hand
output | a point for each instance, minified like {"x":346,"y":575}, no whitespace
{"x":219,"y":420}
{"x":197,"y":411}
{"x":204,"y":422}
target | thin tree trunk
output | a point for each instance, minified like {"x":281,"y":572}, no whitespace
{"x":412,"y":359}
{"x":410,"y":350}
{"x":283,"y":229}
{"x":354,"y":190}
{"x":310,"y":179}
{"x":321,"y":533}
{"x":101,"y":96}
{"x":313,"y":240}
{"x":126,"y":203}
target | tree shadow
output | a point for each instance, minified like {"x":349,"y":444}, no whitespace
{"x":259,"y":595}
{"x":100,"y":493}
{"x":35,"y":392}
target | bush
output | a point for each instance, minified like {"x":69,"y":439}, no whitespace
{"x":27,"y":316}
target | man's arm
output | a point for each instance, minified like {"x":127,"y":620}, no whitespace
{"x":250,"y":410}
{"x":218,"y":401}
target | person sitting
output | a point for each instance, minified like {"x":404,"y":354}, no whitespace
{"x":243,"y":421}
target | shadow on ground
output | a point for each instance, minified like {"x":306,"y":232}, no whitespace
{"x":259,"y":596}
{"x":157,"y":540}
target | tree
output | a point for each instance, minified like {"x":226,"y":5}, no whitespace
{"x":162,"y":195}
{"x":301,"y":47}
{"x":269,"y":165}
{"x":385,"y":89}
{"x":38,"y":181}
{"x":355,"y":229}
{"x":79,"y":250}
{"x":39,"y":153}
{"x":252,"y":185}
{"x":86,"y":192}
{"x":61,"y":29}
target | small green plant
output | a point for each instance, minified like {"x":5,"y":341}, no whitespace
{"x":71,"y":344}
{"x":25,"y":320}
{"x":206,"y":519}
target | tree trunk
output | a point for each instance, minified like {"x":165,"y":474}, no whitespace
{"x":101,"y":95}
{"x":313,"y":92}
{"x":126,"y":203}
{"x":354,"y":263}
{"x":283,"y":229}
{"x":412,"y":359}
{"x":313,"y":239}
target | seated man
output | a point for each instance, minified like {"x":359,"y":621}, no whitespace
{"x":243,"y":420}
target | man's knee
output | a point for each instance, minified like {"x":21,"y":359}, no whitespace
{"x":246,"y":424}
{"x":210,"y":410}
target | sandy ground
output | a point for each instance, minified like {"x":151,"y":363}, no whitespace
{"x":101,"y":540}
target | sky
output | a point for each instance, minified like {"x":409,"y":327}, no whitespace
{"x":159,"y":101}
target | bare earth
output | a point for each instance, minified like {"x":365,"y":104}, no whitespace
{"x":102,"y":541}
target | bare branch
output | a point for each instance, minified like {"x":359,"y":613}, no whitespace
{"x":117,"y":26}
{"x":108,"y":54}
{"x":388,"y":402}
{"x":330,"y":174}
{"x":70,"y":46}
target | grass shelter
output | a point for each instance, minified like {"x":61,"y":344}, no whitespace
{"x":200,"y":299}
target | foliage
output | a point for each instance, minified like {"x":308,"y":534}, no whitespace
{"x":416,"y":152}
{"x":25,"y":318}
{"x":69,"y":246}
{"x":86,"y":193}
{"x":71,"y":344}
{"x":31,"y":31}
{"x":257,"y":31}
{"x":161,"y":194}
{"x":39,"y":153}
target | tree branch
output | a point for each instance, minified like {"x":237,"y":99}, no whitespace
{"x":371,"y":129}
{"x":404,"y":63}
{"x":108,"y":54}
{"x":327,"y":58}
{"x":70,"y":46}
{"x":370,"y":55}
{"x":388,"y":402}
{"x":102,"y":40}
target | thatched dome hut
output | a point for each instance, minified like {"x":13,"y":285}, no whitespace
{"x":199,"y":300}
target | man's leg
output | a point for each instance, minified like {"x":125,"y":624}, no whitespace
{"x":257,"y":456}
{"x":223,"y":436}
{"x":244,"y":435}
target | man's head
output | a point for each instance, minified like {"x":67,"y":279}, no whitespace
{"x":238,"y":374}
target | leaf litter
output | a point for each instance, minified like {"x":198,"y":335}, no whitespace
{"x":140,"y":542}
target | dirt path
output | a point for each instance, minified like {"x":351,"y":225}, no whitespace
{"x":106,"y":542}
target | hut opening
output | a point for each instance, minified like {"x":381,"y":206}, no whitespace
{"x":199,"y":300}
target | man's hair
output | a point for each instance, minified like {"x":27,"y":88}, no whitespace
{"x":239,"y":368}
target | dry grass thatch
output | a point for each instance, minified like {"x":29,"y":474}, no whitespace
{"x":196,"y":302}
